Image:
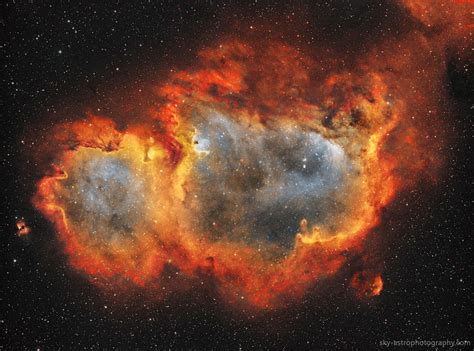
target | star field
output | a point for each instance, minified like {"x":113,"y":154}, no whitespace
{"x":66,"y":59}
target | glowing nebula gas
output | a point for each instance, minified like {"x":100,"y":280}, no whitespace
{"x":248,"y":169}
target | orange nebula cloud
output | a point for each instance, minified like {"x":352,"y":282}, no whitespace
{"x":249,"y":171}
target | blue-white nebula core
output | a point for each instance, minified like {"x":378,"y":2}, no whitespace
{"x":256,"y":183}
{"x":108,"y":199}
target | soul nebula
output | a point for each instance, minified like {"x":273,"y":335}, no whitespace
{"x":250,"y":171}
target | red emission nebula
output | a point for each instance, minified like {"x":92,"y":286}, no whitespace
{"x":257,"y":168}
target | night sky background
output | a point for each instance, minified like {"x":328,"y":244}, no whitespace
{"x":59,"y":60}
